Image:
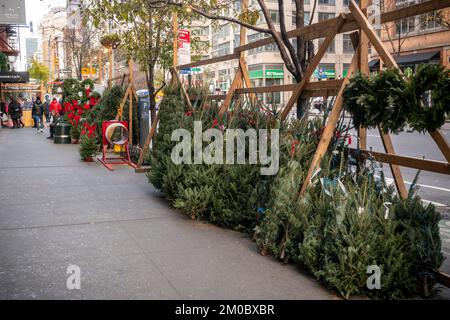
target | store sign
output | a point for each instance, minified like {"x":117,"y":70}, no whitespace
{"x":274,"y":74}
{"x":88,"y":71}
{"x":269,"y":73}
{"x":14,"y":77}
{"x":256,"y":74}
{"x":197,"y":70}
{"x":12,"y":12}
{"x":324,"y":73}
{"x":184,"y":46}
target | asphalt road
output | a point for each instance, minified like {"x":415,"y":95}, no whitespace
{"x":433,"y":187}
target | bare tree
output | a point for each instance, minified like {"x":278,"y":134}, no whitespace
{"x":80,"y":45}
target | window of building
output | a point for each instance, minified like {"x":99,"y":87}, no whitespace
{"x":325,"y":16}
{"x":411,"y":25}
{"x":200,"y":31}
{"x":274,"y":16}
{"x":306,"y":18}
{"x":331,"y":47}
{"x":327,"y":2}
{"x":221,"y":49}
{"x":273,"y":97}
{"x":222,"y":31}
{"x":271,"y":47}
{"x":347,"y":46}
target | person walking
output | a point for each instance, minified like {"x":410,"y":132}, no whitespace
{"x":36,"y":112}
{"x":47,"y":109}
{"x":15,"y":112}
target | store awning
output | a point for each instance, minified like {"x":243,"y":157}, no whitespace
{"x":411,"y":59}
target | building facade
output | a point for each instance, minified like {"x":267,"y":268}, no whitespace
{"x":264,"y":63}
{"x":420,"y":39}
{"x":51,"y":30}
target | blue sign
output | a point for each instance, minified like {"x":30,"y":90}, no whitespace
{"x":185,"y":71}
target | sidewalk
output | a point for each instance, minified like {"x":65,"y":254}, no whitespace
{"x":56,"y":211}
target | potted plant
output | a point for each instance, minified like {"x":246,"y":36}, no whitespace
{"x":75,"y":134}
{"x":111,"y":40}
{"x":88,"y":147}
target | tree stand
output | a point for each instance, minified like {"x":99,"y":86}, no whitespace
{"x":108,"y":130}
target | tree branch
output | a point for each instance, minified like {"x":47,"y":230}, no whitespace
{"x":279,"y":42}
{"x":287,"y":43}
{"x":158,"y":3}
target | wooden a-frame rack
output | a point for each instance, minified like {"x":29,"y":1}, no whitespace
{"x":363,"y":32}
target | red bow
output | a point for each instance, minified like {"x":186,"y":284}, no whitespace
{"x":293,"y":144}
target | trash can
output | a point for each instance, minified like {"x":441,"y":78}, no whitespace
{"x":144,"y":115}
{"x":62,"y":133}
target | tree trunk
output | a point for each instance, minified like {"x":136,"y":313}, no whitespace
{"x":151,"y":90}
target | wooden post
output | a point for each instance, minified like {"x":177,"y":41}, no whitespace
{"x":390,"y":62}
{"x":175,"y":47}
{"x":130,"y":109}
{"x":330,"y":127}
{"x":110,"y":66}
{"x":99,"y":66}
{"x":364,"y":69}
{"x":311,"y":67}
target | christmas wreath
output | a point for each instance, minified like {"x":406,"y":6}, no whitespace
{"x":391,"y":101}
{"x":429,"y":95}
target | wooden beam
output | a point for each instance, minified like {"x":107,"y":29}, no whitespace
{"x":227,"y":57}
{"x":364,"y":69}
{"x":148,"y":140}
{"x":183,"y":89}
{"x":367,"y":29}
{"x":237,"y":82}
{"x":330,"y":127}
{"x":371,"y":34}
{"x":410,"y":162}
{"x":442,"y":143}
{"x":443,"y":279}
{"x":395,"y":169}
{"x":310,"y":69}
{"x":310,"y":86}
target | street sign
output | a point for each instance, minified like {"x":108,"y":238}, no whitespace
{"x":12,"y":12}
{"x":88,"y":71}
{"x":184,"y":46}
{"x":14,"y":77}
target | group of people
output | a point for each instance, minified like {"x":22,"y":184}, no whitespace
{"x":11,"y":114}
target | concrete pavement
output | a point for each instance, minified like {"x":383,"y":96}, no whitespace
{"x":56,"y":211}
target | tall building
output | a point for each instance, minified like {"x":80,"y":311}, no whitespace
{"x":31,"y":47}
{"x":420,"y":39}
{"x":264,"y":63}
{"x":51,"y":30}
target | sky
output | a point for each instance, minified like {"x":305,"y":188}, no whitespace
{"x":35,"y":11}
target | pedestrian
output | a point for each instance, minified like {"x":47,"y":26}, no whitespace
{"x":36,"y":112}
{"x":55,"y":118}
{"x":47,"y":109}
{"x":3,"y":115}
{"x":55,"y":106}
{"x":15,"y":111}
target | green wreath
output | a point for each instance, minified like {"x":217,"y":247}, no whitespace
{"x":380,"y":100}
{"x":390,"y":101}
{"x":429,"y":116}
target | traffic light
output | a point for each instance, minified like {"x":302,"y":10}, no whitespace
{"x":56,"y":60}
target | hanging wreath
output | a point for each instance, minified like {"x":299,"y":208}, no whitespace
{"x":429,"y":93}
{"x":390,"y":101}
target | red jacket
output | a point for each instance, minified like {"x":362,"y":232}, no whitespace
{"x":55,"y":105}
